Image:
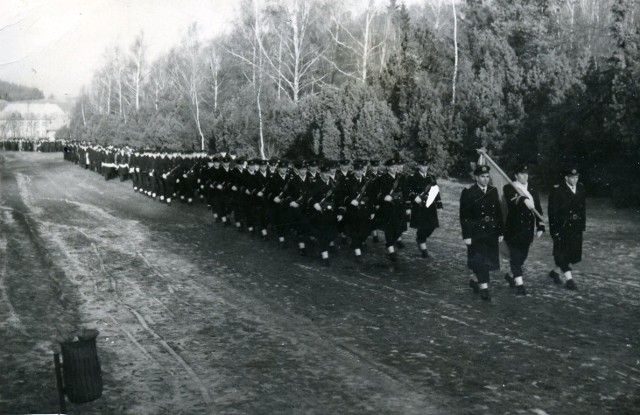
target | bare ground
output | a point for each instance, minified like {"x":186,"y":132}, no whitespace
{"x":196,"y":318}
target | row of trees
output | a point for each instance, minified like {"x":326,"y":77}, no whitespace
{"x":14,"y":92}
{"x":530,"y":80}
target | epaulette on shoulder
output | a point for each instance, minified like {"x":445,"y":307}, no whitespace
{"x":556,"y":185}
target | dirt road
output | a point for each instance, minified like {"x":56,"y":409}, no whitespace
{"x":196,"y":318}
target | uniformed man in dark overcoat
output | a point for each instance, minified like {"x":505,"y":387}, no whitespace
{"x":356,"y":195}
{"x":321,"y":211}
{"x":424,"y":195}
{"x":277,"y":188}
{"x":521,"y":224}
{"x":391,"y":195}
{"x":567,"y":221}
{"x":296,"y":212}
{"x":260,"y":205}
{"x":482,"y":229}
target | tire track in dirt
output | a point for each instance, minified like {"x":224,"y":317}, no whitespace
{"x":115,"y":292}
{"x":13,"y":319}
{"x":98,"y":271}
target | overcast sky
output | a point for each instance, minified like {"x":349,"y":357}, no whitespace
{"x":56,"y":45}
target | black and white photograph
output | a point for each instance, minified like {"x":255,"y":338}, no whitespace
{"x":411,"y":207}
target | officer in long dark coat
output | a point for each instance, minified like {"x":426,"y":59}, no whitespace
{"x":521,"y":224}
{"x":423,"y":191}
{"x":567,"y":221}
{"x":482,"y":229}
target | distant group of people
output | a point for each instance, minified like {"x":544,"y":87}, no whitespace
{"x":44,"y":146}
{"x":339,"y":203}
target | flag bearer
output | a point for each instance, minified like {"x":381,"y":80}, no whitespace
{"x":521,"y":225}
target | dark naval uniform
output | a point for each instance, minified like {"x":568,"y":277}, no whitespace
{"x":567,"y":221}
{"x":391,"y":195}
{"x":481,"y":221}
{"x":520,"y":227}
{"x":423,"y":218}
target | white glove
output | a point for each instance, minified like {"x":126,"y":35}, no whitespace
{"x":198,"y":180}
{"x":219,"y":187}
{"x":528,"y":203}
{"x":408,"y":211}
{"x":354,"y":203}
{"x":433,"y":192}
{"x":247,"y":192}
{"x":467,"y":241}
{"x":202,"y":186}
{"x":260,"y":194}
{"x":339,"y":218}
{"x":277,"y":199}
{"x":417,"y":199}
{"x":373,"y":215}
{"x":164,"y":176}
{"x":184,"y":176}
{"x":317,"y":207}
{"x":177,"y":180}
{"x":294,"y":204}
{"x":234,"y":188}
{"x":539,"y":234}
{"x":500,"y":238}
{"x":388,"y":198}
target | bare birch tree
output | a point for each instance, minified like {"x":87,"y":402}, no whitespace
{"x":455,"y":53}
{"x":158,"y":81}
{"x":186,"y":69}
{"x":253,"y":30}
{"x":360,"y":42}
{"x":117,"y":65}
{"x":297,"y":55}
{"x":138,"y":68}
{"x":214,"y":61}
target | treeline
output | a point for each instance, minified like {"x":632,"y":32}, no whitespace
{"x":14,"y":92}
{"x":532,"y":80}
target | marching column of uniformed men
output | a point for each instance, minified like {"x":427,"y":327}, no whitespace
{"x":43,"y":146}
{"x":340,"y":203}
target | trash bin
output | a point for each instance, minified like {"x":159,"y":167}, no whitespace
{"x":81,"y":368}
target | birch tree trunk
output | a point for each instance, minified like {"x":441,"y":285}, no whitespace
{"x":455,"y":49}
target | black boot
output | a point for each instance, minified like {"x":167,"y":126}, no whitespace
{"x":555,"y":277}
{"x":508,"y":278}
{"x":520,"y":290}
{"x":485,"y":295}
{"x":474,"y":285}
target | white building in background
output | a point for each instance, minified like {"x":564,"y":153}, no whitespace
{"x":32,"y":120}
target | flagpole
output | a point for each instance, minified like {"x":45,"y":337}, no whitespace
{"x":483,"y":153}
